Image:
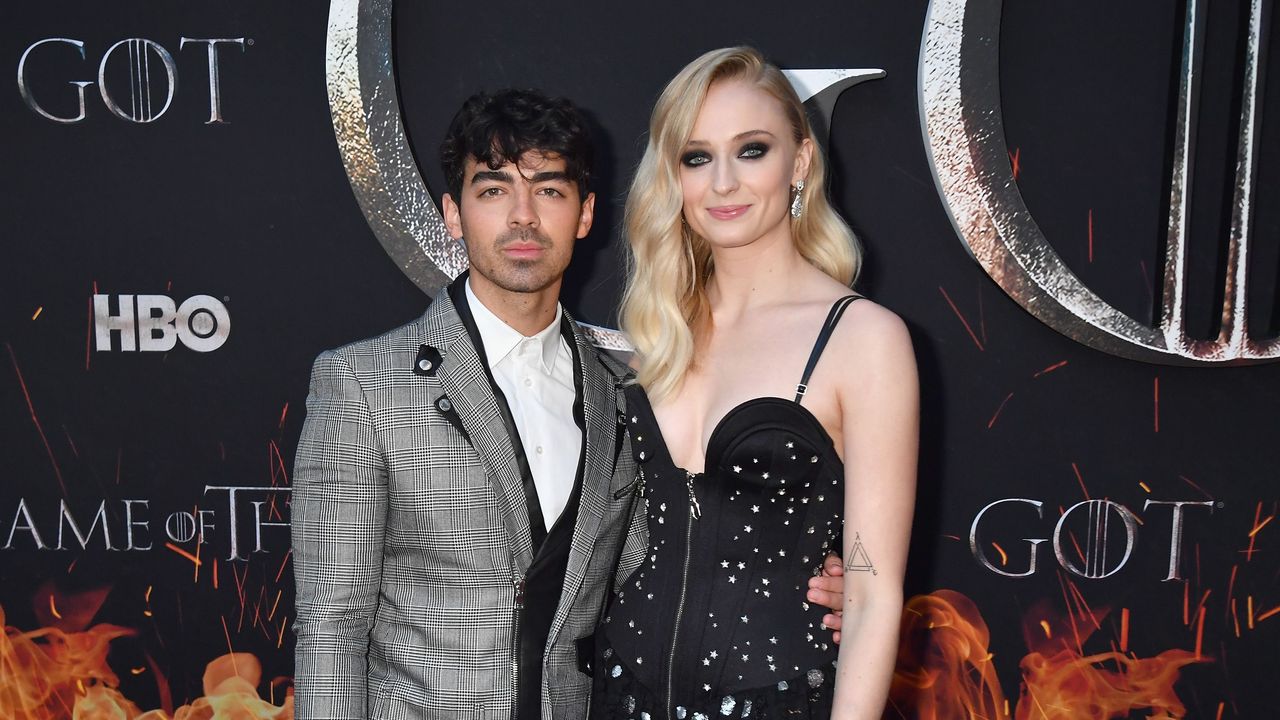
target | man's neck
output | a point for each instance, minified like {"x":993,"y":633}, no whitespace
{"x":528,"y":313}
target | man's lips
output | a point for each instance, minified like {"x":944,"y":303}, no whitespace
{"x":727,"y":212}
{"x":523,"y":250}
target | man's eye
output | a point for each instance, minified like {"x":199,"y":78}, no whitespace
{"x":491,"y":192}
{"x":551,"y":192}
{"x":751,"y":151}
{"x":695,"y":159}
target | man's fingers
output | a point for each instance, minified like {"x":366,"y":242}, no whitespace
{"x":833,"y":566}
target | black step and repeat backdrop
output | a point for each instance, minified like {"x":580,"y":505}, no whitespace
{"x":1072,"y":205}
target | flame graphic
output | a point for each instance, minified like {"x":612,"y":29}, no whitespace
{"x":1065,"y":685}
{"x":944,"y":670}
{"x":60,"y":671}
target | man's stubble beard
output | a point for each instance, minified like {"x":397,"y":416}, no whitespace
{"x":521,"y":276}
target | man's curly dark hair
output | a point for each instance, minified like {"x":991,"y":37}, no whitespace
{"x":499,"y":128}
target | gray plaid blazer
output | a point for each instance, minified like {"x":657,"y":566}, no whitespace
{"x":407,"y":537}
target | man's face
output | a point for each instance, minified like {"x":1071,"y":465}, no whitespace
{"x":519,"y":222}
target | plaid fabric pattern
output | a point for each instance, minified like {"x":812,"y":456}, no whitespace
{"x":408,"y":539}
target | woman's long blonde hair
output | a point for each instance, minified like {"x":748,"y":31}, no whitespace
{"x":668,"y":264}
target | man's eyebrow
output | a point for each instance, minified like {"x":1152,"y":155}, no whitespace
{"x":739,"y":136}
{"x":491,"y":176}
{"x":548,"y":176}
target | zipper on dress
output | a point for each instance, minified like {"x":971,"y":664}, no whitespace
{"x":516,"y":615}
{"x":695,"y":512}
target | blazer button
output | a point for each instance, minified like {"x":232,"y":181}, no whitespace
{"x":443,"y":404}
{"x":424,"y":364}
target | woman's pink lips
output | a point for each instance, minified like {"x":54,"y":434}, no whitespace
{"x":727,"y":212}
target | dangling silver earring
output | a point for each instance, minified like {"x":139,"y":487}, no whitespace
{"x":797,"y":205}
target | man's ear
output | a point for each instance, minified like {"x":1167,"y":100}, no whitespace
{"x":586,"y":215}
{"x":452,"y":216}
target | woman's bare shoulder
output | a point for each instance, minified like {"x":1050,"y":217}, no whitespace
{"x":870,"y":333}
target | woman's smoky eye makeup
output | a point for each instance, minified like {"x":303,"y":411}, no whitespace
{"x":750,"y":151}
{"x":694,"y":158}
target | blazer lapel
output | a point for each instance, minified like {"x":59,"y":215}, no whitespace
{"x":466,"y":384}
{"x":600,"y":411}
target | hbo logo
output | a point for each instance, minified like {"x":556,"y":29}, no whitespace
{"x":153,"y":323}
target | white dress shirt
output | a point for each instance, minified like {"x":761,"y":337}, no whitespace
{"x":536,"y":376}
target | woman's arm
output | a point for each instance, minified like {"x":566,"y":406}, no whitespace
{"x":879,"y":406}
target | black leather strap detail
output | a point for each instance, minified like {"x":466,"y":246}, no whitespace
{"x":829,"y":326}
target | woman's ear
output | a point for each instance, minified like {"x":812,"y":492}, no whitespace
{"x":804,"y":156}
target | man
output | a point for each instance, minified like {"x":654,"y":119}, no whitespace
{"x":464,"y":484}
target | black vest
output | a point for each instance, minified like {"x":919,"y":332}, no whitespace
{"x":544,"y":582}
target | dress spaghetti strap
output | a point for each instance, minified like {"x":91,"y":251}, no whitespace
{"x":833,"y":318}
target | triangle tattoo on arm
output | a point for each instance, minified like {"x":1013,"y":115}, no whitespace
{"x":858,"y":560}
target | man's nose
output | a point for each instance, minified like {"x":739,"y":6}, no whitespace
{"x":523,"y":211}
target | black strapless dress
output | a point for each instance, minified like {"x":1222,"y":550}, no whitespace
{"x":714,"y":623}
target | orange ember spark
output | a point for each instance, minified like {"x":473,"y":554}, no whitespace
{"x":1249,"y":613}
{"x":1004,"y":402}
{"x":1144,"y":486}
{"x":1268,"y":613}
{"x":963,"y":321}
{"x":1051,"y":368}
{"x":283,"y":414}
{"x":1221,"y":707}
{"x":1235,"y":618}
{"x":1124,"y":629}
{"x":1186,"y":603}
{"x":1257,"y":517}
{"x":1156,"y":404}
{"x":1004,"y":559}
{"x":35,"y":419}
{"x":1200,"y":633}
{"x":1263,"y":524}
{"x":1048,"y":632}
{"x":1199,"y":489}
{"x":1015,"y":162}
{"x":1080,"y":479}
{"x":195,"y":560}
{"x":53,"y":608}
{"x":1090,"y":235}
{"x":37,"y":313}
{"x":284,"y":561}
{"x":137,"y":670}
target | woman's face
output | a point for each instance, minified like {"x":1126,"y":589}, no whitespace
{"x":738,"y":167}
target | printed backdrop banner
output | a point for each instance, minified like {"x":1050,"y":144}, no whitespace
{"x":202,"y":196}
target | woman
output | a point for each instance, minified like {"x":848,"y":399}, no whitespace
{"x":739,"y":288}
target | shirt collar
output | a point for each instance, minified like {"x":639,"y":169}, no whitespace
{"x":500,"y":338}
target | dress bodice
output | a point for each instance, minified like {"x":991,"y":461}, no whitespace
{"x":718,"y":606}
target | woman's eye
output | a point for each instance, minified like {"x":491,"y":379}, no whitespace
{"x":753,"y":150}
{"x":695,"y":159}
